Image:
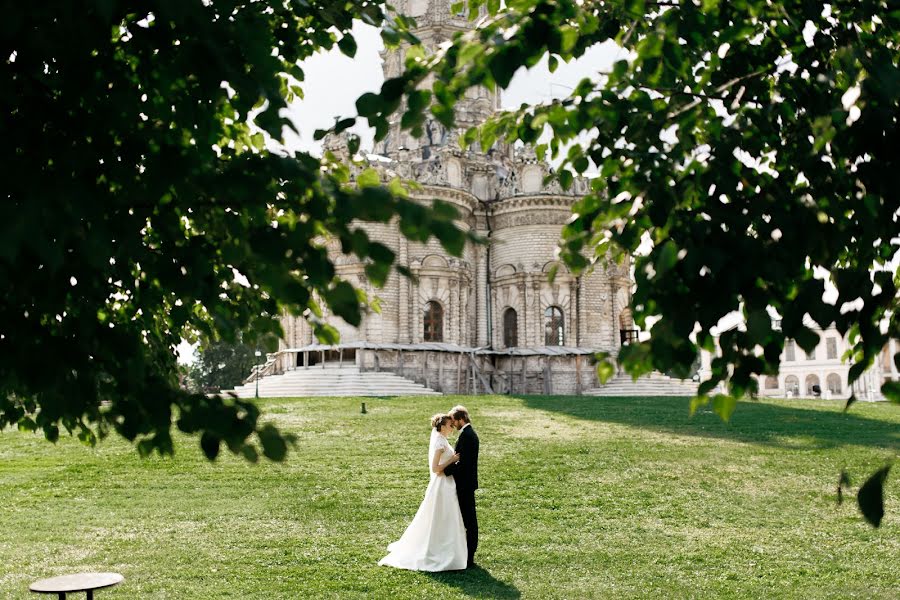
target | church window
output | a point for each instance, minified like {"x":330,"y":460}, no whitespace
{"x":771,"y":382}
{"x":792,"y":385}
{"x":510,"y":328}
{"x":434,"y":322}
{"x":554,"y":329}
{"x":812,"y":382}
{"x":833,"y":382}
{"x":831,"y":345}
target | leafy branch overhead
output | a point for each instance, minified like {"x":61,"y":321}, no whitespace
{"x":142,"y":206}
{"x":749,"y":144}
{"x":743,"y":152}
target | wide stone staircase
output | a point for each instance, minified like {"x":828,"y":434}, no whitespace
{"x":652,"y":384}
{"x":332,"y":381}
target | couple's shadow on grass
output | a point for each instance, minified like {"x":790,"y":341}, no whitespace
{"x":476,"y":581}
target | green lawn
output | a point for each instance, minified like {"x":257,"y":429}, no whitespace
{"x":580,"y":498}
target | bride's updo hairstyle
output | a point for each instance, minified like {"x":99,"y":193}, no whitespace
{"x":439,"y":420}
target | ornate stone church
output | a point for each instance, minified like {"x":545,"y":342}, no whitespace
{"x":491,"y":319}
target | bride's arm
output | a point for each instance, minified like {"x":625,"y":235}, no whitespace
{"x":437,"y":466}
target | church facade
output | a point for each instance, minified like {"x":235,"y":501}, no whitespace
{"x":490,"y":319}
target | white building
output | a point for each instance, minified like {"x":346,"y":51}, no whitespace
{"x":823,"y":371}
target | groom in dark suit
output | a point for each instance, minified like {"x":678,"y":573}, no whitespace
{"x":465,"y":472}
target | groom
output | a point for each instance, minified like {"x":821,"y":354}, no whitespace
{"x":465,"y":472}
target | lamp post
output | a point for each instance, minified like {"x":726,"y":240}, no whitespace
{"x":258,"y":354}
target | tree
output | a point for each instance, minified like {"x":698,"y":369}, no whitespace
{"x":752,"y":145}
{"x":141,"y":206}
{"x":221,"y":365}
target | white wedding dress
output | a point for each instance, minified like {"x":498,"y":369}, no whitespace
{"x":436,"y":538}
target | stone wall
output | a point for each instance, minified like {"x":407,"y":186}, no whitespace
{"x":451,"y":373}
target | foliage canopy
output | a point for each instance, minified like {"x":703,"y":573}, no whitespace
{"x":141,"y":206}
{"x":751,"y":145}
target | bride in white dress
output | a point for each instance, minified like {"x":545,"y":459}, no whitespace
{"x":436,"y":538}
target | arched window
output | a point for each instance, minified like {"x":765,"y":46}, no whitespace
{"x":792,"y":385}
{"x":812,"y":382}
{"x":434,"y":322}
{"x":510,"y":328}
{"x":771,"y":382}
{"x":554,"y":327}
{"x":833,"y":383}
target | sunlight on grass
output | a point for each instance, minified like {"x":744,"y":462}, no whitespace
{"x":580,"y":498}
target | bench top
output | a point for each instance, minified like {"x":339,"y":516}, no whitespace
{"x":80,"y":582}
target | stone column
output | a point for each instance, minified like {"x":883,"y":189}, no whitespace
{"x":569,"y":329}
{"x":415,"y":305}
{"x":615,"y":341}
{"x":526,"y":336}
{"x":481,"y":294}
{"x":403,"y":295}
{"x":466,"y":322}
{"x":455,"y":310}
{"x":578,"y":337}
{"x":495,"y":306}
{"x":522,"y":313}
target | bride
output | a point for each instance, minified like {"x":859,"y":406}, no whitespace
{"x":436,"y":538}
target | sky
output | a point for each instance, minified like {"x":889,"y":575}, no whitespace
{"x":334,"y":82}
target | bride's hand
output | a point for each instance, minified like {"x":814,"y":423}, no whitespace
{"x":455,"y":458}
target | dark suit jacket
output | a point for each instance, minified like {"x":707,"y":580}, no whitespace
{"x":466,"y":470}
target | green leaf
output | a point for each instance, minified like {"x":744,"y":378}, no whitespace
{"x":343,"y":124}
{"x":353,"y":144}
{"x":273,"y":444}
{"x":759,"y":326}
{"x":368,"y":178}
{"x":552,"y":63}
{"x":344,"y":302}
{"x":605,"y":367}
{"x":569,"y":38}
{"x":667,"y":258}
{"x":891,"y":391}
{"x":210,"y":445}
{"x":856,"y":370}
{"x":698,"y":402}
{"x":807,"y":339}
{"x":724,"y":405}
{"x":347,"y":45}
{"x":369,"y":104}
{"x":249,"y":453}
{"x":870,"y":497}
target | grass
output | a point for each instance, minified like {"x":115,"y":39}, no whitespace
{"x":581,"y":498}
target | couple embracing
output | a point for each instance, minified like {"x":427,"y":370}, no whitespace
{"x":443,"y":535}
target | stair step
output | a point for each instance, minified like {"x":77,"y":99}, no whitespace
{"x":332,"y":381}
{"x":652,"y":384}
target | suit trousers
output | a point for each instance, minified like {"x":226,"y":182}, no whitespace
{"x":470,"y":519}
